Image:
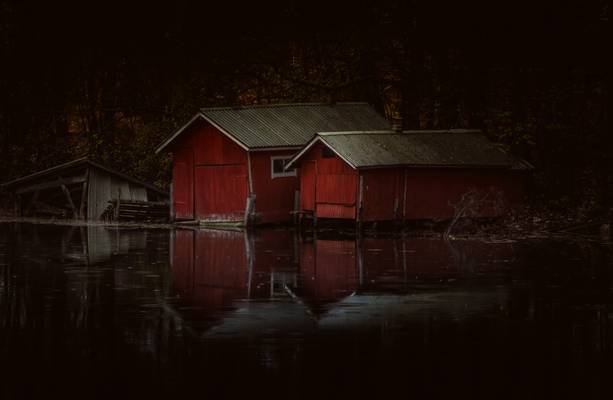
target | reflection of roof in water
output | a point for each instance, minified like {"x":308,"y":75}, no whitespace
{"x":372,"y":309}
{"x":261,"y":318}
{"x":355,"y":311}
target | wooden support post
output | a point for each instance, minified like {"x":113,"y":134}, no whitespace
{"x":250,"y":253}
{"x":117,"y":205}
{"x":296,"y":206}
{"x":396,"y":208}
{"x":171,"y":208}
{"x":84,"y":192}
{"x":360,"y":200}
{"x":360,"y":258}
{"x":404,"y":257}
{"x":70,"y":202}
{"x":249,"y":210}
{"x":404,"y":196}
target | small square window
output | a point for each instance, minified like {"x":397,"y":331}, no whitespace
{"x":278,"y":167}
{"x":326,"y":152}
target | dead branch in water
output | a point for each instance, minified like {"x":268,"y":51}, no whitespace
{"x":469,"y":205}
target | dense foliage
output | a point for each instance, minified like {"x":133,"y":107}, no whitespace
{"x":112,"y":80}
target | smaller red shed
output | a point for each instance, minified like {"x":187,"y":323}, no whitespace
{"x":408,"y":175}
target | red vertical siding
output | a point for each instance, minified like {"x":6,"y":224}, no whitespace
{"x":221,"y":270}
{"x":221,"y":192}
{"x":209,"y":268}
{"x":387,"y":260}
{"x":434,"y":193}
{"x":274,"y":196}
{"x":183,"y":261}
{"x":308,"y":187}
{"x":334,"y":190}
{"x":328,"y":269}
{"x":210,"y":176}
{"x":382,"y":194}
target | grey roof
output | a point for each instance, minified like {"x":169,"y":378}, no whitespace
{"x":286,"y":125}
{"x":449,"y":148}
{"x":71,"y":165}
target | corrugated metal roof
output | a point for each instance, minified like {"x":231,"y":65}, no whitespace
{"x":288,"y":125}
{"x":459,"y":148}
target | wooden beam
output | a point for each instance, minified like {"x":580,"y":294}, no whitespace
{"x":50,"y":184}
{"x":70,"y":202}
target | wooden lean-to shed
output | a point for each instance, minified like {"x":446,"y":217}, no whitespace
{"x":408,"y":175}
{"x":80,"y":189}
{"x":229,"y":162}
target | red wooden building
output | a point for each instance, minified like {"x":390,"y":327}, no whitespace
{"x":228,"y":163}
{"x":393,"y":175}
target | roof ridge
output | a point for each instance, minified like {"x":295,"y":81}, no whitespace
{"x":279,"y":105}
{"x":392,"y":132}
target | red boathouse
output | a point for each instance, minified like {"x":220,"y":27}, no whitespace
{"x":409,"y":175}
{"x":229,"y":162}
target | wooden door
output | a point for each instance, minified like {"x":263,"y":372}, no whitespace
{"x":221,"y":192}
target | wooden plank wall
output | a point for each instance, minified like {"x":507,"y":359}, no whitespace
{"x":103,"y":187}
{"x":99,"y":193}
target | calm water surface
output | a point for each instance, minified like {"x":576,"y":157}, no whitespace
{"x":95,"y":312}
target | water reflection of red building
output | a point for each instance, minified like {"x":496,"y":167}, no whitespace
{"x":328,"y":270}
{"x":213,"y":269}
{"x":428,"y":259}
{"x":209,"y":267}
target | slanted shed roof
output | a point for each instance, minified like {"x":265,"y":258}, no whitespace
{"x":286,"y":125}
{"x":446,"y":148}
{"x":75,"y":164}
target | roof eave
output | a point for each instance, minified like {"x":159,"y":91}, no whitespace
{"x":472,"y":166}
{"x":74,"y":163}
{"x":40,"y":174}
{"x":176,"y":133}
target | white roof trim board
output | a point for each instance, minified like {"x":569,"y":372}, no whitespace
{"x":179,"y":131}
{"x":317,"y":138}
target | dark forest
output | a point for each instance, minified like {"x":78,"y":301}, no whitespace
{"x":112,"y":80}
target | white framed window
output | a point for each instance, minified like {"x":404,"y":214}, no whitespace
{"x":277,"y":167}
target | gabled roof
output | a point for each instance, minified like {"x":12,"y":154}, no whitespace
{"x":285,"y":125}
{"x":441,"y":148}
{"x":76,"y":164}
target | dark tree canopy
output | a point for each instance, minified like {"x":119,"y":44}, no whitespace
{"x":111,"y":80}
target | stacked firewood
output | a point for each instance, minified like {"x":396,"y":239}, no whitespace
{"x":135,"y":210}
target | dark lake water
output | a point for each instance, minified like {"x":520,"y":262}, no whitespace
{"x":108,"y":313}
